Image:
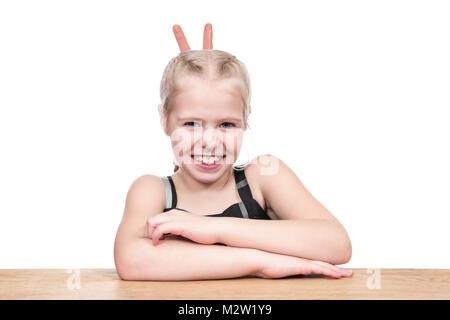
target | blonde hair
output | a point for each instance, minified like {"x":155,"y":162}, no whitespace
{"x":210,"y":65}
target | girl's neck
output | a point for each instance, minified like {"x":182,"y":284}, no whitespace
{"x":190,"y":183}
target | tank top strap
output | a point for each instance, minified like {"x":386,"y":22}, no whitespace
{"x":242,"y":186}
{"x":171,"y":194}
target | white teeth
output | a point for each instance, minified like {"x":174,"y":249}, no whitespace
{"x":207,"y":160}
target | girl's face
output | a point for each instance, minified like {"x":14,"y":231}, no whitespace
{"x":206,"y":119}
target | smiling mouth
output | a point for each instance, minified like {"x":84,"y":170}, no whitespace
{"x":208,"y":159}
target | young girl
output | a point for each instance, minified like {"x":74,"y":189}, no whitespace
{"x":221,"y":221}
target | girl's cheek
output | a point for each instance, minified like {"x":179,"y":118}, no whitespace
{"x":233,"y":143}
{"x":233,"y":139}
{"x":182,"y":140}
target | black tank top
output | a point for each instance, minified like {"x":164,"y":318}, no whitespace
{"x":248,"y":207}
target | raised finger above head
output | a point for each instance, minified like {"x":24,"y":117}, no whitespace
{"x":207,"y":37}
{"x":181,"y":39}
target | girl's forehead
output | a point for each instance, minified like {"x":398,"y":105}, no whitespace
{"x":208,"y":112}
{"x":185,"y":80}
{"x":208,"y":99}
{"x":197,"y":87}
{"x":207,"y":96}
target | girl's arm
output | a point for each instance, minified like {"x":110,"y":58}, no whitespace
{"x":137,"y":259}
{"x":175,"y":259}
{"x":306,"y":228}
{"x":314,"y":239}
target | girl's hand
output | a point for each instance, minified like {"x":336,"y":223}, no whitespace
{"x":182,"y":42}
{"x":198,"y":228}
{"x":273,"y":265}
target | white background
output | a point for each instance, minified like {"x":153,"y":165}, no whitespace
{"x":352,"y":95}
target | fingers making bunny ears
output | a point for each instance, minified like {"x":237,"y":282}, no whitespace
{"x":182,"y":42}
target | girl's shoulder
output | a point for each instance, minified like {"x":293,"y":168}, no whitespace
{"x":256,"y":172}
{"x":284,"y":192}
{"x":261,"y":166}
{"x":149,"y":187}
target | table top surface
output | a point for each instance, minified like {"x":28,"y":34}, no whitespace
{"x":102,"y":284}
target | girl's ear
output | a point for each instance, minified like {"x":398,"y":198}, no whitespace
{"x":162,"y":118}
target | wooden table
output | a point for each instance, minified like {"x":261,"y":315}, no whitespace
{"x":62,"y":284}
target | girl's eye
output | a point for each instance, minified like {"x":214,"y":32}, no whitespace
{"x":229,"y":124}
{"x":190,"y":122}
{"x":232,"y":125}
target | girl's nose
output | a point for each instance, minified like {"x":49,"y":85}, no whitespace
{"x":210,"y":138}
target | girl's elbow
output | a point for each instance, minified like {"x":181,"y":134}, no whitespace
{"x":342,"y":254}
{"x":124,"y":267}
{"x":347,"y":254}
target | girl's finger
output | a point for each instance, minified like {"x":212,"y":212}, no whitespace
{"x":207,"y":37}
{"x":149,"y":230}
{"x":159,"y":231}
{"x":181,"y":39}
{"x":341,"y":271}
{"x":158,"y":219}
{"x":325,"y":271}
{"x":329,"y":266}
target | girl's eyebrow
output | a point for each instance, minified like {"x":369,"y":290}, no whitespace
{"x":194,"y":118}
